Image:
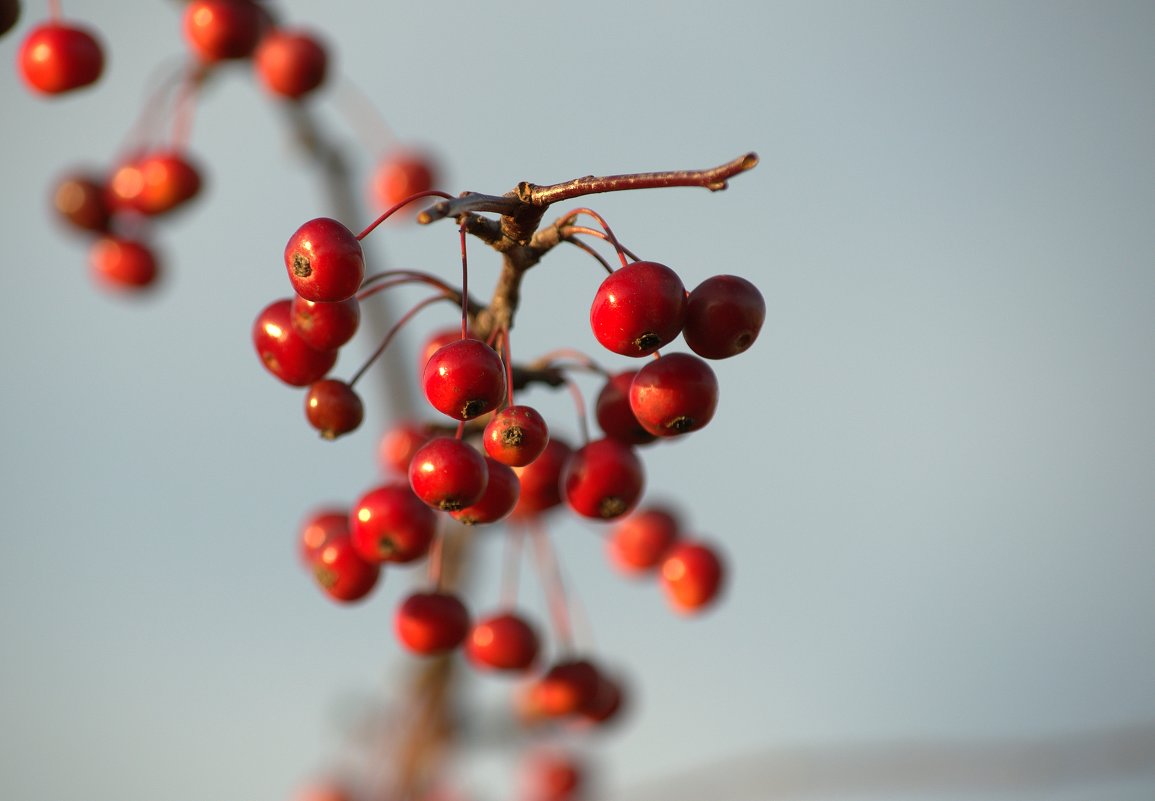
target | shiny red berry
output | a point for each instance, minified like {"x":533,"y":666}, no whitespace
{"x":318,"y":530}
{"x":723,"y":317}
{"x":401,"y":174}
{"x":391,"y":524}
{"x":123,"y":264}
{"x":638,"y":308}
{"x":155,"y":183}
{"x":430,"y":623}
{"x":342,"y":573}
{"x":638,"y":543}
{"x":541,"y":480}
{"x":603,"y":480}
{"x":398,"y":444}
{"x":326,"y":326}
{"x":282,"y":350}
{"x":291,"y":63}
{"x":675,"y":394}
{"x":324,"y":261}
{"x":504,"y":642}
{"x":464,"y":379}
{"x":692,"y":576}
{"x":56,"y":57}
{"x":333,"y":407}
{"x":501,"y":493}
{"x":615,"y":417}
{"x":448,"y":474}
{"x":223,"y":29}
{"x":516,"y":435}
{"x":80,"y":200}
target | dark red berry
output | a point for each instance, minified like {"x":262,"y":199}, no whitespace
{"x":326,"y":326}
{"x":723,"y":316}
{"x":464,"y":379}
{"x":603,"y":480}
{"x":56,"y":57}
{"x":291,"y":63}
{"x":566,"y":689}
{"x":223,"y":29}
{"x":318,"y":530}
{"x":503,"y":642}
{"x":282,"y":350}
{"x":675,"y":394}
{"x":398,"y":444}
{"x":541,"y":480}
{"x":123,"y":264}
{"x":501,"y":493}
{"x":333,"y":407}
{"x":401,"y":174}
{"x":391,"y":524}
{"x":607,"y":704}
{"x":448,"y":474}
{"x":324,"y":261}
{"x":342,"y":573}
{"x":81,"y":201}
{"x":638,"y":543}
{"x":639,"y":308}
{"x":432,"y":623}
{"x":155,"y":183}
{"x":692,"y":576}
{"x":615,"y":417}
{"x":516,"y":435}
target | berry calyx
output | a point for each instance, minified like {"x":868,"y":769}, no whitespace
{"x":223,"y":29}
{"x":391,"y":524}
{"x":291,"y":63}
{"x":342,"y":573}
{"x":326,"y":326}
{"x":692,"y":576}
{"x":80,"y":201}
{"x":505,"y":642}
{"x":603,"y":480}
{"x":325,"y":261}
{"x":123,"y":264}
{"x":430,"y":623}
{"x":56,"y":57}
{"x":333,"y":408}
{"x":541,"y":480}
{"x":674,"y":395}
{"x":615,"y":417}
{"x":502,"y":490}
{"x":282,"y":350}
{"x":448,"y":474}
{"x":723,"y":317}
{"x":464,"y":379}
{"x":638,"y":543}
{"x":638,"y":308}
{"x":516,"y":435}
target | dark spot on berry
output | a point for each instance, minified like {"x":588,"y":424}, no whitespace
{"x":385,"y":547}
{"x":450,"y":505}
{"x":681,"y":424}
{"x":513,"y":436}
{"x":612,"y":506}
{"x":471,"y":409}
{"x":325,"y":577}
{"x":647,"y":341}
{"x":302,"y":267}
{"x":743,"y":340}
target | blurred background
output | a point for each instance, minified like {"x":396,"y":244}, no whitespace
{"x":933,"y":475}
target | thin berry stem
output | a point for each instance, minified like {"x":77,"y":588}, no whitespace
{"x":605,"y":264}
{"x":464,"y":283}
{"x":393,"y":332}
{"x":147,"y":121}
{"x":582,"y":360}
{"x":507,"y":351}
{"x":398,"y":277}
{"x":397,"y":207}
{"x":609,"y":234}
{"x":184,"y":108}
{"x":579,"y":407}
{"x":435,"y":556}
{"x":54,"y":10}
{"x":514,"y":539}
{"x":549,"y":571}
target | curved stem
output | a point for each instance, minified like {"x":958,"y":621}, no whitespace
{"x":397,"y":207}
{"x":393,"y":332}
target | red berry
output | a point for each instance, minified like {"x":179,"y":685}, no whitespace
{"x":448,"y":474}
{"x":516,"y":435}
{"x":501,"y":493}
{"x":291,"y":63}
{"x":342,"y":573}
{"x":223,"y":29}
{"x":154,"y":184}
{"x":319,"y":529}
{"x":325,"y":326}
{"x":399,"y":443}
{"x":566,"y":689}
{"x":639,"y":308}
{"x":675,"y":394}
{"x":615,"y":417}
{"x":432,"y":622}
{"x":123,"y":264}
{"x":464,"y":379}
{"x":391,"y":524}
{"x":723,"y":316}
{"x":80,"y":200}
{"x":692,"y":576}
{"x":324,"y":261}
{"x":503,"y":642}
{"x":333,"y":407}
{"x":639,"y":542}
{"x":603,"y":480}
{"x":56,"y":57}
{"x":438,"y":340}
{"x":552,"y":777}
{"x":607,"y":703}
{"x":541,"y":480}
{"x":401,"y":174}
{"x":282,"y":350}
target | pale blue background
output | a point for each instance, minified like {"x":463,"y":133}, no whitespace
{"x":934,"y":475}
